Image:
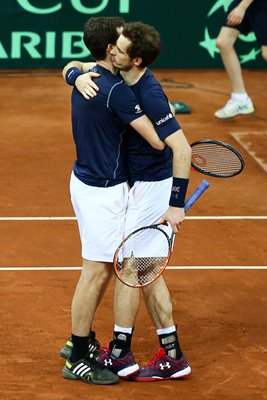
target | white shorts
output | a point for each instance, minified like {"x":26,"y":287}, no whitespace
{"x":147,"y":202}
{"x":100,"y":214}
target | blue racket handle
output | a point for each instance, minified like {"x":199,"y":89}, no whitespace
{"x":196,"y":194}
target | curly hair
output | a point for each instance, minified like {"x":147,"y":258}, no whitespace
{"x":99,"y":32}
{"x":145,"y":42}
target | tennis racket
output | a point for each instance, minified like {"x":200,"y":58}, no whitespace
{"x":144,"y":254}
{"x":216,"y":158}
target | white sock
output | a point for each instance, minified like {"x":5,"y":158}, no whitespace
{"x":165,"y":331}
{"x":240,"y":97}
{"x":118,"y":328}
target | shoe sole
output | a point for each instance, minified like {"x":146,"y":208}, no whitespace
{"x":69,"y":375}
{"x":178,"y":375}
{"x":129,"y":371}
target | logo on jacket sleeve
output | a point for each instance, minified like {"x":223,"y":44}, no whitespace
{"x":138,"y":109}
{"x":164,"y":119}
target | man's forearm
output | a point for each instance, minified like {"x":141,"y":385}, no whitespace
{"x":245,"y":3}
{"x":181,"y":154}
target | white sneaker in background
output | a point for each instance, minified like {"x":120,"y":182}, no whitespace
{"x":235,"y":107}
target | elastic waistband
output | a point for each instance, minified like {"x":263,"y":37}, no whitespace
{"x":103,"y":183}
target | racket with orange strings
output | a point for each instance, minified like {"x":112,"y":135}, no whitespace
{"x":144,"y":254}
{"x":215,"y":158}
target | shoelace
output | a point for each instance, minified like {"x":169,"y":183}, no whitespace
{"x":93,"y":343}
{"x":160,"y":353}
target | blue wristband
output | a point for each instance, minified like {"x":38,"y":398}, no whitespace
{"x":178,"y":193}
{"x":72,"y":74}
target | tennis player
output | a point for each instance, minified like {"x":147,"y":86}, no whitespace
{"x":99,"y":192}
{"x":156,"y":179}
{"x":151,"y":175}
{"x":243,"y":16}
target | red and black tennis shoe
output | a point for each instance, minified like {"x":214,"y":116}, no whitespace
{"x":163,"y":367}
{"x":122,"y":366}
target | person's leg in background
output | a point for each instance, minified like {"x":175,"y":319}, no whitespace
{"x":264,"y":52}
{"x":240,"y":102}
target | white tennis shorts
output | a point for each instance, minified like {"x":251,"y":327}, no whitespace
{"x":100,"y":214}
{"x":147,"y":202}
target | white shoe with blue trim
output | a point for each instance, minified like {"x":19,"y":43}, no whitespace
{"x":234,"y":108}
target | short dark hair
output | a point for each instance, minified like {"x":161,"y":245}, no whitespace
{"x":99,"y":32}
{"x":145,"y":42}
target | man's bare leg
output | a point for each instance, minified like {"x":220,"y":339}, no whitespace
{"x":225,"y":42}
{"x":91,"y":286}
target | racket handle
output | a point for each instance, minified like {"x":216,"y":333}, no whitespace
{"x":196,"y":194}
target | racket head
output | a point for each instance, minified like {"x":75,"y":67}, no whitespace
{"x":216,"y":158}
{"x":142,"y":256}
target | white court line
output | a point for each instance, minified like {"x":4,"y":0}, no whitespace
{"x":38,"y":218}
{"x":247,"y":144}
{"x":169,"y":267}
{"x":223,"y":217}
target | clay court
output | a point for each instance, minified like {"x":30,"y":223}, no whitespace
{"x":217,"y":275}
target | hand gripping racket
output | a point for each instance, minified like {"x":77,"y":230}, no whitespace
{"x":144,"y":254}
{"x":216,"y":158}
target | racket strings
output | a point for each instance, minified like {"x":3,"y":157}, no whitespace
{"x":140,"y":271}
{"x":216,"y":158}
{"x":142,"y":257}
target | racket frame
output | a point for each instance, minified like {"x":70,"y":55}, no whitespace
{"x":222,"y":144}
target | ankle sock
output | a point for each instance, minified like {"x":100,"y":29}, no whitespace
{"x":240,"y":97}
{"x":80,"y":347}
